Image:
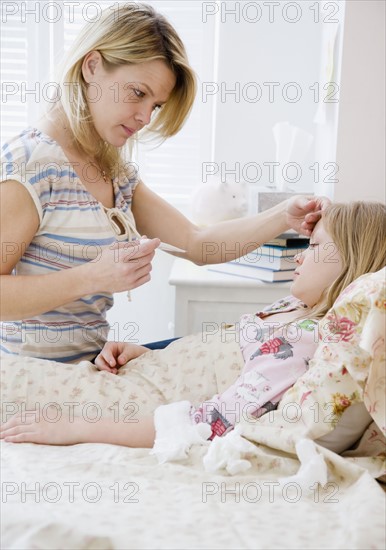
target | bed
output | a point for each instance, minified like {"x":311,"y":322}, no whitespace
{"x":98,"y":496}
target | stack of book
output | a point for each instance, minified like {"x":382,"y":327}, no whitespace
{"x":272,"y":262}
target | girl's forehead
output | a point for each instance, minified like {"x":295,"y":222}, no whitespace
{"x":319,"y":230}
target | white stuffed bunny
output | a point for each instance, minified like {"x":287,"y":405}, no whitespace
{"x":215,"y":201}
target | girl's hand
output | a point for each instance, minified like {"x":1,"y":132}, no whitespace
{"x":116,"y":354}
{"x":31,"y":427}
{"x":303,"y":213}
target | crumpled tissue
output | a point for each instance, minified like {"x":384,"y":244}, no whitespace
{"x":313,"y":468}
{"x":226,"y":452}
{"x":176,"y":432}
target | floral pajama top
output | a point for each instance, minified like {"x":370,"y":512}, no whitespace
{"x":276,"y":354}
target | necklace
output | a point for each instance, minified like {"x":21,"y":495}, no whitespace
{"x":103,"y":173}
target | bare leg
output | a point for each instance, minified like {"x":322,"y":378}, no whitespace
{"x":33,"y":428}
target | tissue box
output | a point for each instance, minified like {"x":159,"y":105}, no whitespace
{"x":266,"y":200}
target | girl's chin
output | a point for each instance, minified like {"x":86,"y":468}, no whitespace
{"x":295,"y":292}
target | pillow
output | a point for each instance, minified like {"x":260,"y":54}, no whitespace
{"x":349,"y":429}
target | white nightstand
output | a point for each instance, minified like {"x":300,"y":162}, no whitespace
{"x":205,"y":297}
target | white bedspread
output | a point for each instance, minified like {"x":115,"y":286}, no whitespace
{"x":97,"y":496}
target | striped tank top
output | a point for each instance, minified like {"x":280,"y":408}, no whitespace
{"x":73,"y":228}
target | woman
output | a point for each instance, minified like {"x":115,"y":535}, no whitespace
{"x":275,"y":345}
{"x":72,"y":203}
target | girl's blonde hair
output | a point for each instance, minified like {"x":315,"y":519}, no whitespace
{"x":124,"y":34}
{"x":358,"y":229}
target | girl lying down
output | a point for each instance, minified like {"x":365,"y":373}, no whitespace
{"x":276,"y":344}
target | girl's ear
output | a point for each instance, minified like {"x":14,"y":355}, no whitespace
{"x":90,"y":65}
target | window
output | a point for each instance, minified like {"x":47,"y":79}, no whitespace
{"x":14,"y":70}
{"x":173,"y":169}
{"x":34,"y":37}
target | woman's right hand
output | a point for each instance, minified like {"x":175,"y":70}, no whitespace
{"x":122,"y":266}
{"x":114,"y":268}
{"x":116,"y":354}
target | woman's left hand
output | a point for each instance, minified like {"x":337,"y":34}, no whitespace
{"x":303,"y":212}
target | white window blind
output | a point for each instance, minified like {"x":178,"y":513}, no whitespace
{"x":174,"y":168}
{"x":14,"y":68}
{"x":32,"y":44}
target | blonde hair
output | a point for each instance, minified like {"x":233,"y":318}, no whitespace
{"x":358,"y":229}
{"x":129,"y":34}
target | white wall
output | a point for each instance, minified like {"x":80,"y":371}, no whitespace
{"x":252,"y":55}
{"x":361,"y":128}
{"x":150,"y":314}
